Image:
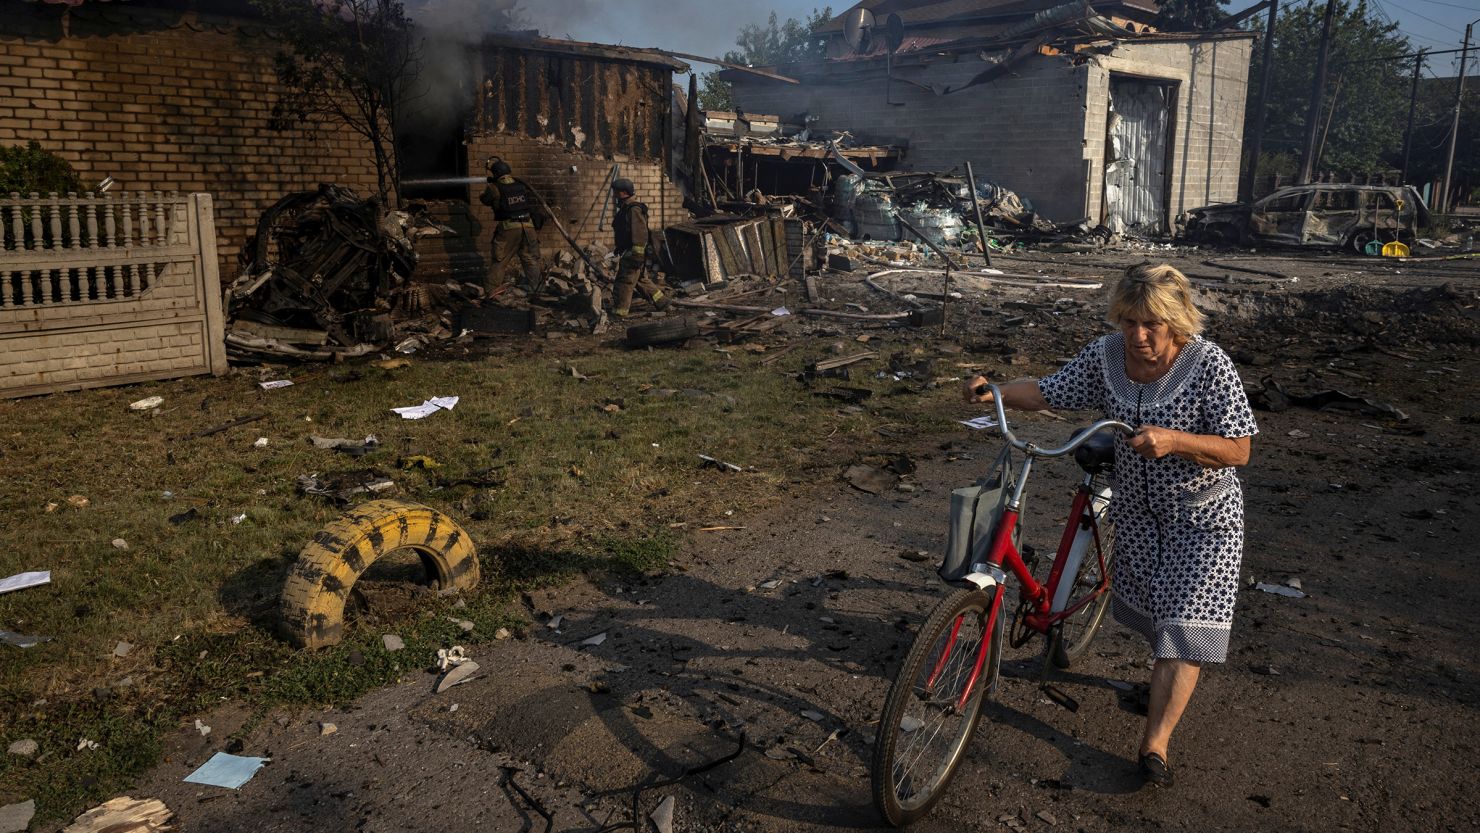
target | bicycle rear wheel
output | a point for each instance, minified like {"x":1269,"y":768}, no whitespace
{"x":1071,"y":638}
{"x":926,"y":723}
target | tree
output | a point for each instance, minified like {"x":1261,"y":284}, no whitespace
{"x":346,"y":61}
{"x":775,"y":43}
{"x":31,"y":168}
{"x":1189,"y":15}
{"x":1365,"y":104}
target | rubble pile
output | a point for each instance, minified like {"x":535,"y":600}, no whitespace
{"x":329,"y":275}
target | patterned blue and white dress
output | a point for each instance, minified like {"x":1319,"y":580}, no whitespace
{"x":1179,"y":527}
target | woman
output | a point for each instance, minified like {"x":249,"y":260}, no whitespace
{"x":1177,"y":507}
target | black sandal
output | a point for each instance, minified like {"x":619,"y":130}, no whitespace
{"x":1155,"y":771}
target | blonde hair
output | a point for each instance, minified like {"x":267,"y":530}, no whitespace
{"x":1157,"y":293}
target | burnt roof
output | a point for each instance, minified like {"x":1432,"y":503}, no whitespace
{"x":946,"y":12}
{"x":534,"y":43}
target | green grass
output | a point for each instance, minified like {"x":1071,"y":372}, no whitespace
{"x":576,"y":488}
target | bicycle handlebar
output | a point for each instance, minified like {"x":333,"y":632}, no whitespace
{"x":1033,"y":450}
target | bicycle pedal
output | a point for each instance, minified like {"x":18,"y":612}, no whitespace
{"x":1058,"y":696}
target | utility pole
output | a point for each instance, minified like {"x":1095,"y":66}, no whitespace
{"x":1459,"y":92}
{"x":1412,"y":105}
{"x":1251,"y":170}
{"x":1317,"y":90}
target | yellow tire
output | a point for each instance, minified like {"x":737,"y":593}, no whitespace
{"x":326,"y":570}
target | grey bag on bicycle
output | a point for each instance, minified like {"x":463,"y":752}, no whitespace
{"x":975,"y":511}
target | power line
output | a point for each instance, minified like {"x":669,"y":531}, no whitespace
{"x":1416,"y":14}
{"x":1452,"y":5}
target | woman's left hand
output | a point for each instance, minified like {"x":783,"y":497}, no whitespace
{"x":1154,"y":442}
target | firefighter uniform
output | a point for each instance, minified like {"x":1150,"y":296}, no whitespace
{"x":515,"y":234}
{"x":630,"y":228}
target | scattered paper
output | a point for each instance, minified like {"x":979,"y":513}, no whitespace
{"x":229,"y":771}
{"x":202,"y":727}
{"x":20,"y":581}
{"x":780,"y":311}
{"x":392,"y":642}
{"x":260,"y":443}
{"x":146,"y":404}
{"x":122,"y":649}
{"x":274,"y":385}
{"x":236,"y":519}
{"x":85,"y":744}
{"x":980,"y":422}
{"x":596,"y":640}
{"x":427,"y":408}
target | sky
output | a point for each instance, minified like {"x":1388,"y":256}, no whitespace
{"x":708,"y":27}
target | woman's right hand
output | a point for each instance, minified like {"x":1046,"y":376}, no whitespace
{"x":976,"y":390}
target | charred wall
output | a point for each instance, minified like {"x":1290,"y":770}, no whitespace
{"x":589,"y":105}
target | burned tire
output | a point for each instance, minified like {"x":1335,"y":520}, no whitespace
{"x":661,"y":332}
{"x":320,"y":581}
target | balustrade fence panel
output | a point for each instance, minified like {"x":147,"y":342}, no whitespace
{"x":107,"y":289}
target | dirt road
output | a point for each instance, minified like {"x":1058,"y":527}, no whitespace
{"x":1351,"y":709}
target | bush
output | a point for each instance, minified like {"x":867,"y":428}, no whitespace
{"x":33,"y":168}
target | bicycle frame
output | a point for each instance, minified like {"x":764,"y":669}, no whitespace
{"x":1003,"y":553}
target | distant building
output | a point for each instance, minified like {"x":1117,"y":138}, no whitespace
{"x":1088,"y":112}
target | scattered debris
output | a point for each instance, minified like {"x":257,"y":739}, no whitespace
{"x":456,"y":675}
{"x":502,"y":633}
{"x":25,"y":748}
{"x":979,"y":423}
{"x":1046,"y":817}
{"x":275,"y":384}
{"x":119,"y":544}
{"x":236,"y":520}
{"x":555,"y":622}
{"x":392,"y":643}
{"x":719,"y":464}
{"x":909,"y":724}
{"x":1266,"y":670}
{"x":662,"y":816}
{"x":21,"y":640}
{"x":344,"y":485}
{"x":1280,"y":590}
{"x":594,"y":641}
{"x":326,"y":729}
{"x":391,"y":364}
{"x":83,"y":744}
{"x":870,"y":479}
{"x":1273,"y":396}
{"x":148,"y":404}
{"x":21,"y":581}
{"x":329,"y":275}
{"x":15,"y":818}
{"x":202,"y":727}
{"x":260,"y":443}
{"x":451,"y":657}
{"x":814,"y":716}
{"x":225,"y":770}
{"x":347,"y":446}
{"x":78,"y":502}
{"x":427,"y":408}
{"x":224,"y":426}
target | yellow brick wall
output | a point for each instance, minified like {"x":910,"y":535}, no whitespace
{"x":167,"y":104}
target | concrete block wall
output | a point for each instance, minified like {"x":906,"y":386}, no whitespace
{"x":101,"y":355}
{"x":1207,"y":134}
{"x":166,"y":103}
{"x":575,"y":184}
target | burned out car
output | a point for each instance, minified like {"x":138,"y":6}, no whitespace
{"x":1320,"y":214}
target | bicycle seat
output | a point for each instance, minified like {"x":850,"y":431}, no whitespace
{"x":1097,"y":456}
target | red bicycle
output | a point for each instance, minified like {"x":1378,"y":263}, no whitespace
{"x":936,"y":702}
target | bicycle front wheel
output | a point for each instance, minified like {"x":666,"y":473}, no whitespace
{"x":1072,"y":637}
{"x":934,"y":706}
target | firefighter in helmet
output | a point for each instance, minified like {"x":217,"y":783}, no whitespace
{"x":630,"y":227}
{"x":516,"y":232}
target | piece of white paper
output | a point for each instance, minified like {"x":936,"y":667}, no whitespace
{"x":275,"y":384}
{"x":427,"y":408}
{"x":780,"y":311}
{"x":229,"y":771}
{"x":20,"y":581}
{"x":980,"y":422}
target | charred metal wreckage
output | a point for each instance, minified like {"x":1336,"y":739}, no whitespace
{"x":328,"y":275}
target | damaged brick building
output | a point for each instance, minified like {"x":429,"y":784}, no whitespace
{"x":1088,"y":111}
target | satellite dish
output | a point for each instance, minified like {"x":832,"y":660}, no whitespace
{"x":858,"y":29}
{"x":893,"y":32}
